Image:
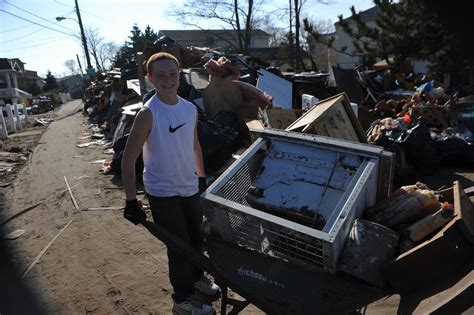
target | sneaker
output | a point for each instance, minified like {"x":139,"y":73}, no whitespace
{"x":192,"y":308}
{"x":207,"y":286}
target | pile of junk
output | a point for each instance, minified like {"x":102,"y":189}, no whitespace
{"x":318,"y":194}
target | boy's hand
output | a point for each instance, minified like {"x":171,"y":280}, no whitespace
{"x":133,"y":212}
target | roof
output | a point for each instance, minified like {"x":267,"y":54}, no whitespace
{"x":192,"y":33}
{"x":11,"y":64}
{"x":368,"y":15}
{"x":4,"y":64}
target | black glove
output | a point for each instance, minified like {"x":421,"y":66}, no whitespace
{"x":202,"y":184}
{"x":133,"y":212}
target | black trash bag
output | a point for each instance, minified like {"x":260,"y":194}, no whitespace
{"x":454,"y":151}
{"x":116,"y":165}
{"x":219,"y":138}
{"x":418,"y":146}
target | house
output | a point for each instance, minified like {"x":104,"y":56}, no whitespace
{"x":322,"y":55}
{"x":74,"y":85}
{"x":348,"y":59}
{"x":224,"y":39}
{"x":14,"y":79}
{"x":342,"y":39}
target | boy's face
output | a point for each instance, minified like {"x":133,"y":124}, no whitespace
{"x":165,"y":77}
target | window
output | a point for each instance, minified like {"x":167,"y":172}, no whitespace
{"x":3,"y":81}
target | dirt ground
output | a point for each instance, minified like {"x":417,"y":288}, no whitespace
{"x":101,"y":263}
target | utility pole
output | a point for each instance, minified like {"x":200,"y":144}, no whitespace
{"x":83,"y":36}
{"x":80,"y":66}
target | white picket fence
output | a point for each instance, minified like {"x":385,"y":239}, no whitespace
{"x":12,"y":119}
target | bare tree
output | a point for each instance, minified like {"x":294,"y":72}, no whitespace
{"x":103,"y":52}
{"x":319,"y":50}
{"x":241,"y":16}
{"x":297,"y":10}
{"x":70,"y":64}
{"x":106,"y":54}
{"x":94,"y":40}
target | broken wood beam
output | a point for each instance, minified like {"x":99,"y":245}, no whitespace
{"x":41,"y":253}
{"x":70,"y":193}
{"x":34,"y":206}
{"x":103,"y":208}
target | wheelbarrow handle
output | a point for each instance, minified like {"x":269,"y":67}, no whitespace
{"x":196,"y":257}
{"x":180,"y":246}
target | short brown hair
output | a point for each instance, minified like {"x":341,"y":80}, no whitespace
{"x":160,"y":56}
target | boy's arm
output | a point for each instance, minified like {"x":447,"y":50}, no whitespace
{"x":138,"y":134}
{"x":200,"y":172}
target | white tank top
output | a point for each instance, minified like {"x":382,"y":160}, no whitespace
{"x":168,"y":152}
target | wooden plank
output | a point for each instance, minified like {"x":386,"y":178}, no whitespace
{"x":422,"y":228}
{"x":104,"y":208}
{"x":254,"y":124}
{"x":41,"y":253}
{"x":464,"y":211}
{"x":70,"y":194}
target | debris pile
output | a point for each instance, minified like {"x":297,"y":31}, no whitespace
{"x":323,"y":177}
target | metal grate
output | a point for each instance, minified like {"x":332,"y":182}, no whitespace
{"x":236,"y":188}
{"x":260,"y":235}
{"x":269,"y":238}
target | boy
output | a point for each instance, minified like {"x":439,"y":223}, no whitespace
{"x":165,"y":128}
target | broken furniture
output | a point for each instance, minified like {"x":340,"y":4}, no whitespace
{"x":445,"y":252}
{"x":278,"y":118}
{"x":332,"y":117}
{"x":305,"y":190}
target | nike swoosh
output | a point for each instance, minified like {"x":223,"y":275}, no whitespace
{"x":171,"y":129}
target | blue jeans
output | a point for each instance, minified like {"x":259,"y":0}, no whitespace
{"x":181,"y":216}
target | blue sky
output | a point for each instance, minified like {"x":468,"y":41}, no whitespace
{"x":47,"y":47}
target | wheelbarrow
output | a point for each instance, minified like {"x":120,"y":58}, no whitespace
{"x":272,"y":285}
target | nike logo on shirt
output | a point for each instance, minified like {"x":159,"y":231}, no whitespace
{"x":171,"y":129}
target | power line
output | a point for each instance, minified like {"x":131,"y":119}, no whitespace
{"x":36,"y":23}
{"x":17,"y":38}
{"x":41,"y":44}
{"x":16,"y":28}
{"x":29,"y":25}
{"x":66,"y":5}
{"x":99,"y":17}
{"x":37,"y":16}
